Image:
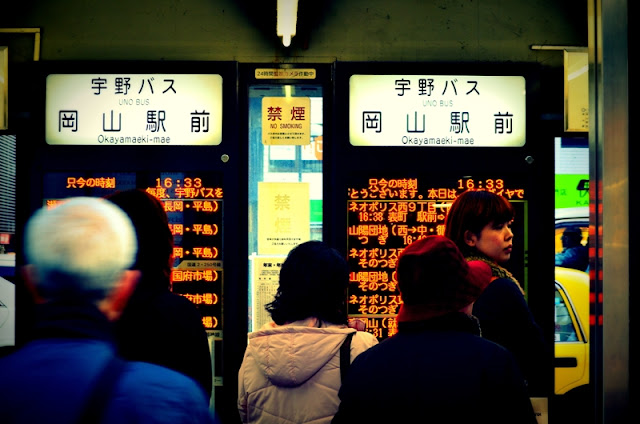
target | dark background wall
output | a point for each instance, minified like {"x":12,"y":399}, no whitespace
{"x":329,"y":30}
{"x":462,"y":31}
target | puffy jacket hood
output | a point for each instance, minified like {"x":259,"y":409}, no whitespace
{"x":288,"y":356}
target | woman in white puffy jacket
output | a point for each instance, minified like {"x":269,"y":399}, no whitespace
{"x":291,"y":368}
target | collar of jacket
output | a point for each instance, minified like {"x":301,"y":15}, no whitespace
{"x":455,"y":321}
{"x":496,"y":270}
{"x":71,"y":320}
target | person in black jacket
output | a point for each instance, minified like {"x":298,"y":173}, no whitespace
{"x":436,"y":368}
{"x":479,"y":223}
{"x":159,"y":326}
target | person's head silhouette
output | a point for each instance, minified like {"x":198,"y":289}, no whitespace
{"x":572,"y":237}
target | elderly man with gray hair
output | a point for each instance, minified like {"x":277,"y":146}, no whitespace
{"x":78,"y":256}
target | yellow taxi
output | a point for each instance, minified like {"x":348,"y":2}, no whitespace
{"x":571,"y":331}
{"x":571,"y":310}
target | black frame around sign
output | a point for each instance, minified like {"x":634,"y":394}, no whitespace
{"x":530,"y":166}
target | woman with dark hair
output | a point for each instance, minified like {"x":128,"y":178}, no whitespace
{"x":159,"y":326}
{"x":479,"y":223}
{"x":313,"y":283}
{"x":291,"y":368}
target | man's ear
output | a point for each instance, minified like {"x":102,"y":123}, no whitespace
{"x":113,"y":305}
{"x":30,"y":277}
{"x":470,"y":239}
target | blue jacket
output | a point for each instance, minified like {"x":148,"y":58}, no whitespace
{"x":574,"y":257}
{"x":50,"y":378}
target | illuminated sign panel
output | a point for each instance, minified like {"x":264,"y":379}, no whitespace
{"x":194,"y":206}
{"x":384,"y":215}
{"x":133,"y":109}
{"x":437,"y":110}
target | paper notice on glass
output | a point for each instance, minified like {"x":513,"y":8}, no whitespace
{"x":7,"y":313}
{"x":265,"y":276}
{"x":541,"y":408}
{"x":283,"y":216}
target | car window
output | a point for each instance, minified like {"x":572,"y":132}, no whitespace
{"x":582,"y":228}
{"x":565,"y":329}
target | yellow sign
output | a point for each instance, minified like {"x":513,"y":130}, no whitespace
{"x":278,"y":73}
{"x":576,"y":91}
{"x":283,"y":217}
{"x":286,"y":120}
{"x":4,"y":83}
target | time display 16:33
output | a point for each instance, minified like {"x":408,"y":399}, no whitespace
{"x":473,"y":184}
{"x":185,"y":182}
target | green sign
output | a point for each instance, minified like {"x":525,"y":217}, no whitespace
{"x":572,"y":190}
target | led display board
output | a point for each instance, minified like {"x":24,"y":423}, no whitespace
{"x":194,"y":205}
{"x":133,"y":109}
{"x":387,"y":213}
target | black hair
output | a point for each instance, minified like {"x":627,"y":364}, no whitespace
{"x":155,"y":240}
{"x":313,"y":283}
{"x":572,"y":236}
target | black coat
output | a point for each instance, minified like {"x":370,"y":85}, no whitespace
{"x":437,"y":371}
{"x":505,"y":318}
{"x":166,"y":329}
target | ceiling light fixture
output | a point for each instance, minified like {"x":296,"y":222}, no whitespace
{"x":287,"y":17}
